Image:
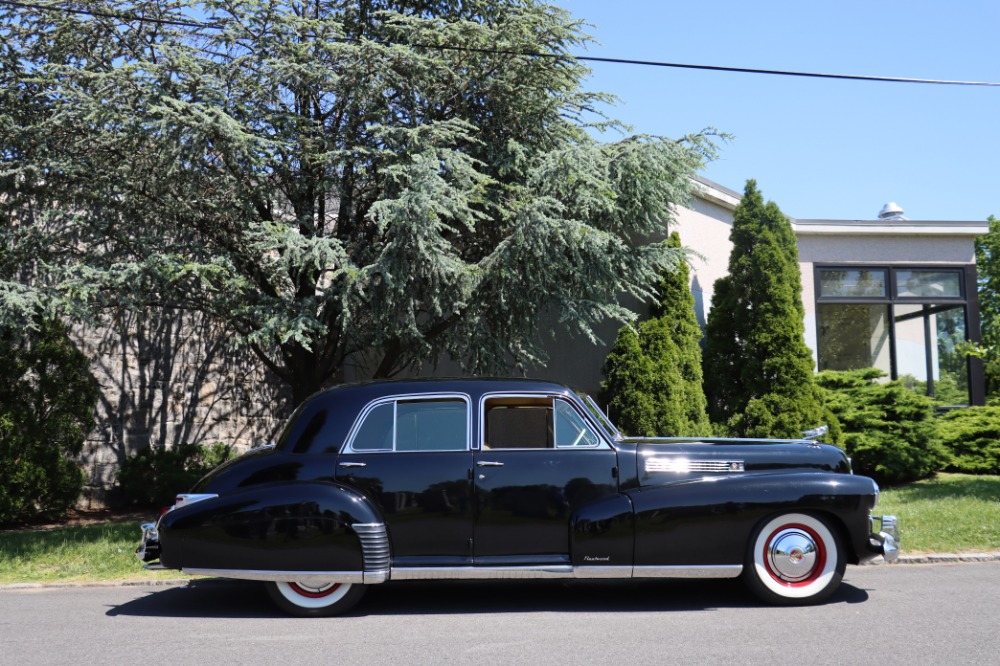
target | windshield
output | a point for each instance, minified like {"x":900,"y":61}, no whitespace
{"x":600,"y":416}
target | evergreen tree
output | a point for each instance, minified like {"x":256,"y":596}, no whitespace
{"x":988,"y":269}
{"x":47,"y":398}
{"x":653,"y":372}
{"x":377,"y":183}
{"x":758,"y":370}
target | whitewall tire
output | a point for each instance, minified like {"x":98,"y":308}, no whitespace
{"x":310,"y":600}
{"x":794,"y":559}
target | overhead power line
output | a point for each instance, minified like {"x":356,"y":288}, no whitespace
{"x":529,"y":54}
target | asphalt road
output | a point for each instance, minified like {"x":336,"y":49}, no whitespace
{"x":903,"y":614}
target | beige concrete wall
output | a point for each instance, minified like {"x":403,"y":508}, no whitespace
{"x":705,"y":227}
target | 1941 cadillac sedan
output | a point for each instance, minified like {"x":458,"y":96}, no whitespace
{"x":513,"y":479}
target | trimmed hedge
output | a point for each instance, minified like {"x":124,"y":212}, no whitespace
{"x":971,"y":438}
{"x":889,"y":431}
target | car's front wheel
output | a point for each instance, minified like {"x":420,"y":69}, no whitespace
{"x":794,"y":559}
{"x":310,"y":600}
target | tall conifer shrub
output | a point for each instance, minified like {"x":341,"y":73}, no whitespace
{"x":758,"y":370}
{"x":653,"y":372}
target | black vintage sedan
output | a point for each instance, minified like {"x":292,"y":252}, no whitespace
{"x":513,"y":479}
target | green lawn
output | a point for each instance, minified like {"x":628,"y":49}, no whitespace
{"x":952,"y":513}
{"x":104,"y":552}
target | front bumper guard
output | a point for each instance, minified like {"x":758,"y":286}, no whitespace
{"x":885,"y":540}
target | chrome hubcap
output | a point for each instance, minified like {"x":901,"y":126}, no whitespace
{"x":791,"y":555}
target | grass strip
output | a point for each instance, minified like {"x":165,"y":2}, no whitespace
{"x":91,"y":553}
{"x":951,"y":513}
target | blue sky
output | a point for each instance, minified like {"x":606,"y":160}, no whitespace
{"x":818,"y":148}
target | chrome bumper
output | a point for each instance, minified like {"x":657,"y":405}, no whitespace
{"x":149,"y":547}
{"x":886,"y":540}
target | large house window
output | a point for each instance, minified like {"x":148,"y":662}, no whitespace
{"x":908,"y":321}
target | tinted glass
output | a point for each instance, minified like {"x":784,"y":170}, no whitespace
{"x":854,"y":336}
{"x":432,"y":425}
{"x":571,"y":429}
{"x":375,"y":434}
{"x":928,"y":284}
{"x":852,"y":283}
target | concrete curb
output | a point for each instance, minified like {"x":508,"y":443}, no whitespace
{"x":930,"y":558}
{"x":940,"y":558}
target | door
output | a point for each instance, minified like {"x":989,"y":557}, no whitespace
{"x":538,"y":460}
{"x":411,"y":458}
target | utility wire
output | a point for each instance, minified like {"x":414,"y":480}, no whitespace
{"x":529,"y":54}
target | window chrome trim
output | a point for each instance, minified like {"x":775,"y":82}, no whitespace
{"x":348,"y":447}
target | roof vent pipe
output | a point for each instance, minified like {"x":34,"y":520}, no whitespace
{"x":891,"y":211}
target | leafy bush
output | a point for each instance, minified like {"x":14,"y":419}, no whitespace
{"x":47,"y":398}
{"x":155,"y":476}
{"x":889,"y":431}
{"x":971,"y":438}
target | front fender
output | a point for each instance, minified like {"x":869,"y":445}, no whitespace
{"x":708,"y":521}
{"x":301,"y":526}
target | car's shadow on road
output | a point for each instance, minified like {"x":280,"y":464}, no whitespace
{"x":240,"y":599}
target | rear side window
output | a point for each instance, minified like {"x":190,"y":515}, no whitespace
{"x":437,"y":424}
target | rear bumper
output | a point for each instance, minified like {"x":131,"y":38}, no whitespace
{"x":884,"y":539}
{"x":149,"y":547}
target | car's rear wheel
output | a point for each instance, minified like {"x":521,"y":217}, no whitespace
{"x":312,"y":600}
{"x":794,"y":559}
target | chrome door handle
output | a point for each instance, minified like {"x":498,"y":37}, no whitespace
{"x":488,"y":463}
{"x":352,"y":464}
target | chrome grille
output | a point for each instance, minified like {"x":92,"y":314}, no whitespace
{"x":685,"y":466}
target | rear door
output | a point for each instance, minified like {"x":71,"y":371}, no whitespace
{"x":411,"y":457}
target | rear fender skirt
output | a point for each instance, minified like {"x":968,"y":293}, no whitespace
{"x":303,"y":527}
{"x":708,"y":521}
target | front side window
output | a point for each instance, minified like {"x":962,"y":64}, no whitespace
{"x":534,"y":422}
{"x":437,"y":424}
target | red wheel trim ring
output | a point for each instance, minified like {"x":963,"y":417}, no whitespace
{"x":313,"y":595}
{"x":820,"y":556}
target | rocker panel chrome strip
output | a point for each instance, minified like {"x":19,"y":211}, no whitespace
{"x":316,"y":578}
{"x":474,"y":573}
{"x":562,"y":571}
{"x":710,"y":571}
